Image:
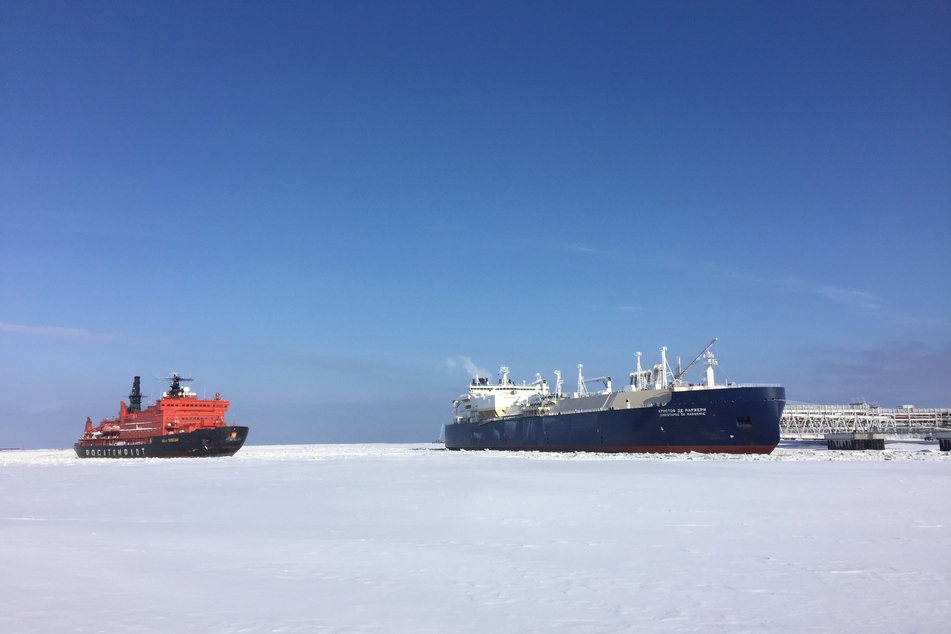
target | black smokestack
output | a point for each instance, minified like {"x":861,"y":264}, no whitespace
{"x":135,"y":398}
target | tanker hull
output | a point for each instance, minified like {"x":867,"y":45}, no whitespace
{"x":727,"y":420}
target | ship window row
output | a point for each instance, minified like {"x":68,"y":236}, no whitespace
{"x":195,"y":405}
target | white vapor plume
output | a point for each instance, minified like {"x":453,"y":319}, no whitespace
{"x":473,"y":370}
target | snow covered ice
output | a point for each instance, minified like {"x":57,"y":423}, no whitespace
{"x":410,"y":538}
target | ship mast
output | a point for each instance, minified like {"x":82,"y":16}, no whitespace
{"x":639,"y":371}
{"x":663,"y":368}
{"x":709,"y":361}
{"x":175,"y":390}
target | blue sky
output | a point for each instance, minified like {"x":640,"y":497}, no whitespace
{"x":322,"y":209}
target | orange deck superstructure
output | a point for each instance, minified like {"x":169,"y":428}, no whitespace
{"x":180,"y":416}
{"x":177,"y":412}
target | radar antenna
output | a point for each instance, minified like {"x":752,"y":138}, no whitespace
{"x":175,"y":390}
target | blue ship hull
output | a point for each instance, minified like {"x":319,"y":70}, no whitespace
{"x":726,"y":420}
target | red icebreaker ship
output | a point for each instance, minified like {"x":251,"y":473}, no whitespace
{"x":178,"y":425}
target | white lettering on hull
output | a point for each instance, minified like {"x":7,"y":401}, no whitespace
{"x":114,"y":452}
{"x":682,"y":411}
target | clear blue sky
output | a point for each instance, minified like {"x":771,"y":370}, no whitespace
{"x":319,"y":208}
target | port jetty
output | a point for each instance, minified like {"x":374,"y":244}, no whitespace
{"x":801,"y":421}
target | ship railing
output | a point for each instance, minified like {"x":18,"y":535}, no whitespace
{"x":753,"y":385}
{"x":585,"y":410}
{"x":701,"y":386}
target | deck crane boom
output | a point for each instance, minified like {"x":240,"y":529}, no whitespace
{"x":680,"y":375}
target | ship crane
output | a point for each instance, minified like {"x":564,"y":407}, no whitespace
{"x":681,"y":374}
{"x":606,"y":380}
{"x":582,"y":382}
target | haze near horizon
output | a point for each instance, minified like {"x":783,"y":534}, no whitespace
{"x":334,"y":213}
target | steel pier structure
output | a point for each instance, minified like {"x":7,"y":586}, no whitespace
{"x":801,"y":421}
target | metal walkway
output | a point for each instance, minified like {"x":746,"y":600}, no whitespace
{"x":814,"y":421}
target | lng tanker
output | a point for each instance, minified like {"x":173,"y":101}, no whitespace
{"x":658,"y":412}
{"x":177,"y":425}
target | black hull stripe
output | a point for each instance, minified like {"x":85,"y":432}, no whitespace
{"x":202,"y":443}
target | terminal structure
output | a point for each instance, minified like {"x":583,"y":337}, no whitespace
{"x":801,"y":421}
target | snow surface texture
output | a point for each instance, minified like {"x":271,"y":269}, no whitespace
{"x":412,"y":538}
